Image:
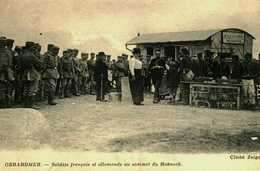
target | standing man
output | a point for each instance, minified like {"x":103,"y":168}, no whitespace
{"x":6,"y":74}
{"x":51,"y":74}
{"x":67,"y":68}
{"x":157,"y":68}
{"x":30,"y":68}
{"x":91,"y":67}
{"x":75,"y":80}
{"x":10,"y":72}
{"x":17,"y":73}
{"x":84,"y":73}
{"x":101,"y":76}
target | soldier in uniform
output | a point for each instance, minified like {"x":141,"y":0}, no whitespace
{"x":50,"y":73}
{"x":101,"y":76}
{"x":157,"y":68}
{"x":40,"y":93}
{"x":10,"y":88}
{"x":67,"y":70}
{"x":6,"y":76}
{"x":30,"y":67}
{"x":84,"y":73}
{"x":17,"y":74}
{"x":75,"y":80}
{"x":91,"y":68}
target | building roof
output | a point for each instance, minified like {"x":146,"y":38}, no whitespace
{"x":170,"y":37}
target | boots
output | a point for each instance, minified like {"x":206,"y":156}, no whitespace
{"x":51,"y":99}
{"x":32,"y":103}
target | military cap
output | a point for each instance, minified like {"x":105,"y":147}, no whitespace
{"x":92,"y":53}
{"x":2,"y":38}
{"x":50,"y":46}
{"x":101,"y":54}
{"x":157,"y":50}
{"x":136,"y":51}
{"x":29,"y":44}
{"x":75,"y":50}
{"x":9,"y":41}
{"x":17,"y":48}
{"x":55,"y":48}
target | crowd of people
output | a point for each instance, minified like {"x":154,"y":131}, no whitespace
{"x":28,"y":77}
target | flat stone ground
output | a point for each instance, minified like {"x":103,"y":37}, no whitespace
{"x":82,"y":124}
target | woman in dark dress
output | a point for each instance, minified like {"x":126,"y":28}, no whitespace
{"x":136,"y":77}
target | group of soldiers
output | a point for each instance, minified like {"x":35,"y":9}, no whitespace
{"x":27,"y":76}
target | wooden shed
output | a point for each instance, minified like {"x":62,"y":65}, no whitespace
{"x":222,"y":41}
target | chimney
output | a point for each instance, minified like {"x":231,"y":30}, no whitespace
{"x":138,"y":34}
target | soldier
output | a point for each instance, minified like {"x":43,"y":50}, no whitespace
{"x":17,"y":74}
{"x":100,"y":75}
{"x":40,"y":93}
{"x":9,"y":47}
{"x":67,"y":70}
{"x":75,"y":80}
{"x":84,"y":73}
{"x":50,"y":74}
{"x":30,"y":67}
{"x":6,"y":76}
{"x":157,"y":68}
{"x":91,"y":67}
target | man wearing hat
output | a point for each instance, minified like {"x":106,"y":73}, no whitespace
{"x":101,"y":76}
{"x":157,"y":68}
{"x":91,"y":68}
{"x":75,"y":80}
{"x":40,"y":93}
{"x":30,"y":66}
{"x":51,"y":74}
{"x":17,"y":74}
{"x":66,"y":71}
{"x":84,"y":73}
{"x":5,"y":77}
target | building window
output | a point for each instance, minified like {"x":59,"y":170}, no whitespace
{"x":169,"y":52}
{"x":150,"y":51}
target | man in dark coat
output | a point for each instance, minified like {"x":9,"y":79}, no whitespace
{"x":66,"y":71}
{"x":236,"y":69}
{"x":157,"y":68}
{"x":101,"y":76}
{"x":6,"y":73}
{"x":51,"y":74}
{"x":173,"y":77}
{"x":30,"y":68}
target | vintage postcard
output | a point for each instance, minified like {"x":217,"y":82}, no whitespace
{"x":129,"y":85}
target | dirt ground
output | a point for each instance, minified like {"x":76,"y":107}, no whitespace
{"x":82,"y":124}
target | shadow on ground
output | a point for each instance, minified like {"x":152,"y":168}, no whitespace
{"x":188,"y":141}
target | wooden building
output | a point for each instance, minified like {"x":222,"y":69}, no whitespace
{"x":221,"y":41}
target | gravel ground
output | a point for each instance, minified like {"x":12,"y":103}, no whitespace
{"x":82,"y":124}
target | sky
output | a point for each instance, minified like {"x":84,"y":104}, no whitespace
{"x":106,"y":25}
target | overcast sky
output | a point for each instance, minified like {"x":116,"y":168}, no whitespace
{"x":95,"y":25}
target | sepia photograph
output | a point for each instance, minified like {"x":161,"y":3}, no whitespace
{"x":130,"y":85}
